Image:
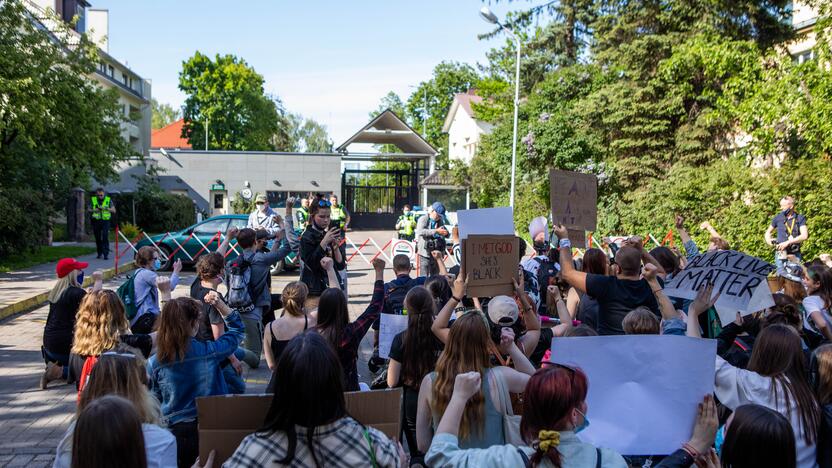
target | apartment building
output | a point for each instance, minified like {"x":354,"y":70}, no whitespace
{"x":804,"y":19}
{"x":134,"y":91}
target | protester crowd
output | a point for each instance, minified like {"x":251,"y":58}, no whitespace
{"x":479,"y":386}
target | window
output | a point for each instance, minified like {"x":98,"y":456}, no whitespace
{"x":110,"y":70}
{"x":278,"y":199}
{"x":239,"y":223}
{"x":218,"y":201}
{"x":803,"y":57}
{"x":124,"y":78}
{"x":212,"y":226}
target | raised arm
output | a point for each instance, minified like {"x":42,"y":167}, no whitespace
{"x":521,"y":361}
{"x":531,"y":320}
{"x":575,"y":278}
{"x":229,"y":235}
{"x":553,"y":300}
{"x":440,"y":326}
{"x":439,"y":256}
{"x":650,"y":274}
{"x":638,"y":243}
{"x":711,"y":230}
{"x":701,"y":304}
{"x":97,"y":281}
{"x":329,"y":266}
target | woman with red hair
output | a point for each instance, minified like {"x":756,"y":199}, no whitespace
{"x":554,"y":412}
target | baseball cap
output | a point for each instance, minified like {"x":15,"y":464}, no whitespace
{"x":438,"y":207}
{"x":260,"y":199}
{"x":65,"y":266}
{"x":503,"y":310}
{"x":792,"y":271}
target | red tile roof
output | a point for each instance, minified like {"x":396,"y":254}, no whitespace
{"x":465,"y":100}
{"x":169,"y":136}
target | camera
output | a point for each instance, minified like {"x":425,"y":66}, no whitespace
{"x":436,"y":243}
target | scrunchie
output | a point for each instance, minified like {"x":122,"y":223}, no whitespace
{"x":547,"y":440}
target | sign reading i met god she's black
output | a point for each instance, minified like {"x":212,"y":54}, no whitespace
{"x":739,"y":279}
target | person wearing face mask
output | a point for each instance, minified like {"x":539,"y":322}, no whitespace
{"x":101,"y":209}
{"x":264,"y":217}
{"x":319,"y":240}
{"x":64,"y":301}
{"x":554,"y":412}
{"x":210,"y":270}
{"x":146,"y":292}
{"x":430,"y":234}
{"x":406,"y":224}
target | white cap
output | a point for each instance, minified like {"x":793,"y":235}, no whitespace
{"x":538,"y":225}
{"x":503,"y":310}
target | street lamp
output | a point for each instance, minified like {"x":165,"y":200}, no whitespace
{"x":488,"y":16}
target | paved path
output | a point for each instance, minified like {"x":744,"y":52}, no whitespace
{"x":32,"y":421}
{"x":22,"y":284}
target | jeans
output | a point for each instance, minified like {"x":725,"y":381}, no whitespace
{"x":235,"y":383}
{"x":101,"y":231}
{"x":253,"y":341}
{"x":187,"y":442}
{"x":61,"y":359}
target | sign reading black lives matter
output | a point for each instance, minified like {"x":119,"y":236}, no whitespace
{"x":574,"y":198}
{"x":739,"y":278}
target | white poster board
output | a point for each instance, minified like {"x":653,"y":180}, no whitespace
{"x":403,"y":247}
{"x":739,"y":278}
{"x":644,"y":390}
{"x":486,"y":221}
{"x":389,"y":326}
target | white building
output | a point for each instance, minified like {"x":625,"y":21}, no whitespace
{"x":464,"y":131}
{"x":134,"y":91}
{"x":804,"y":19}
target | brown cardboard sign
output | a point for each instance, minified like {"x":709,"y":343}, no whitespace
{"x":224,"y":421}
{"x":577,"y":237}
{"x":490,"y":264}
{"x":574,"y":199}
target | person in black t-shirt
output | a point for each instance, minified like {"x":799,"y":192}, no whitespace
{"x":616,"y":295}
{"x":64,"y":301}
{"x":210,"y":272}
{"x":791,"y":232}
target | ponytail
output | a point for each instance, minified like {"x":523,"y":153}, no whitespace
{"x":293,"y":297}
{"x":546,"y":445}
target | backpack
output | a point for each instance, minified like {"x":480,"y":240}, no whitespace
{"x":89,"y":363}
{"x":546,"y":275}
{"x":127,"y":293}
{"x":394,"y":296}
{"x":239,"y":274}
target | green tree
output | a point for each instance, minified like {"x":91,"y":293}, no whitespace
{"x":58,"y":128}
{"x":449,"y":78}
{"x":226,"y":95}
{"x":307,"y":135}
{"x":391,"y":101}
{"x":163,"y":114}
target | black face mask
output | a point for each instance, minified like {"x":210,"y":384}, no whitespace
{"x":541,"y":247}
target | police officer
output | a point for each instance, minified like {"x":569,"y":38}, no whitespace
{"x":301,"y":216}
{"x":406,"y":225}
{"x":340,"y":216}
{"x":102,"y":211}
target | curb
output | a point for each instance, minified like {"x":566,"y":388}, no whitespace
{"x":26,"y":305}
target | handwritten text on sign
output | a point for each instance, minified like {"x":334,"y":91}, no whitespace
{"x":490,"y":264}
{"x":739,"y":278}
{"x":574,"y":199}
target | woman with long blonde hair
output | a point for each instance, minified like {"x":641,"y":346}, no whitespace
{"x":293,"y":321}
{"x":101,"y":325}
{"x":467,"y":350}
{"x":122,"y":372}
{"x":64,"y":301}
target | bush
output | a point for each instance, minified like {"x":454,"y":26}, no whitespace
{"x":129,"y":230}
{"x":240,"y":206}
{"x":163,"y":212}
{"x":23,"y":226}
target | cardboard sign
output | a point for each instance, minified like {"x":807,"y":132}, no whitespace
{"x":661,"y":389}
{"x":739,"y":278}
{"x":390,"y":325}
{"x":486,"y":221}
{"x":574,"y":199}
{"x":224,"y":421}
{"x":578,"y":238}
{"x":490,"y":263}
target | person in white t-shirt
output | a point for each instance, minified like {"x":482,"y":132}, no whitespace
{"x":817,"y":303}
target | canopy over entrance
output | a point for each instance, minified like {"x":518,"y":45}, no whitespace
{"x":375,"y":196}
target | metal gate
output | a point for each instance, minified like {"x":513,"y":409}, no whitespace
{"x":375,"y":198}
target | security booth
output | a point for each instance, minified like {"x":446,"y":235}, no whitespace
{"x":375,"y":185}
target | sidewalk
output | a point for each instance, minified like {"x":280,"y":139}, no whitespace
{"x":33,"y":421}
{"x":18,"y":286}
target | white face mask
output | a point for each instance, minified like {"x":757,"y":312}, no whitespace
{"x":262,"y":207}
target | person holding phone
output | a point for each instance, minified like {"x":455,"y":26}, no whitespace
{"x":319,"y":240}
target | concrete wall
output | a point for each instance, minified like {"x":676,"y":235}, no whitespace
{"x":295,"y":172}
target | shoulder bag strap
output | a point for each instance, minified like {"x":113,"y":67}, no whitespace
{"x":526,"y":462}
{"x":502,"y":389}
{"x":597,"y":457}
{"x":370,"y":449}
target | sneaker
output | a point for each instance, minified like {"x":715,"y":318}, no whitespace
{"x":99,"y":256}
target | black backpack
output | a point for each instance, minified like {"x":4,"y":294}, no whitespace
{"x":394,"y":296}
{"x":546,"y":276}
{"x":239,"y":290}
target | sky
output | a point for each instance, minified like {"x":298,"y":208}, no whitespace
{"x":328,"y":60}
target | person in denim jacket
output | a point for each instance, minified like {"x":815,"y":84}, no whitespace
{"x":185,"y":368}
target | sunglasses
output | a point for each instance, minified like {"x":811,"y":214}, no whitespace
{"x":324,"y":203}
{"x":562,"y":366}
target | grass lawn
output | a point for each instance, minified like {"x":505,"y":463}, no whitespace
{"x":43,"y":255}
